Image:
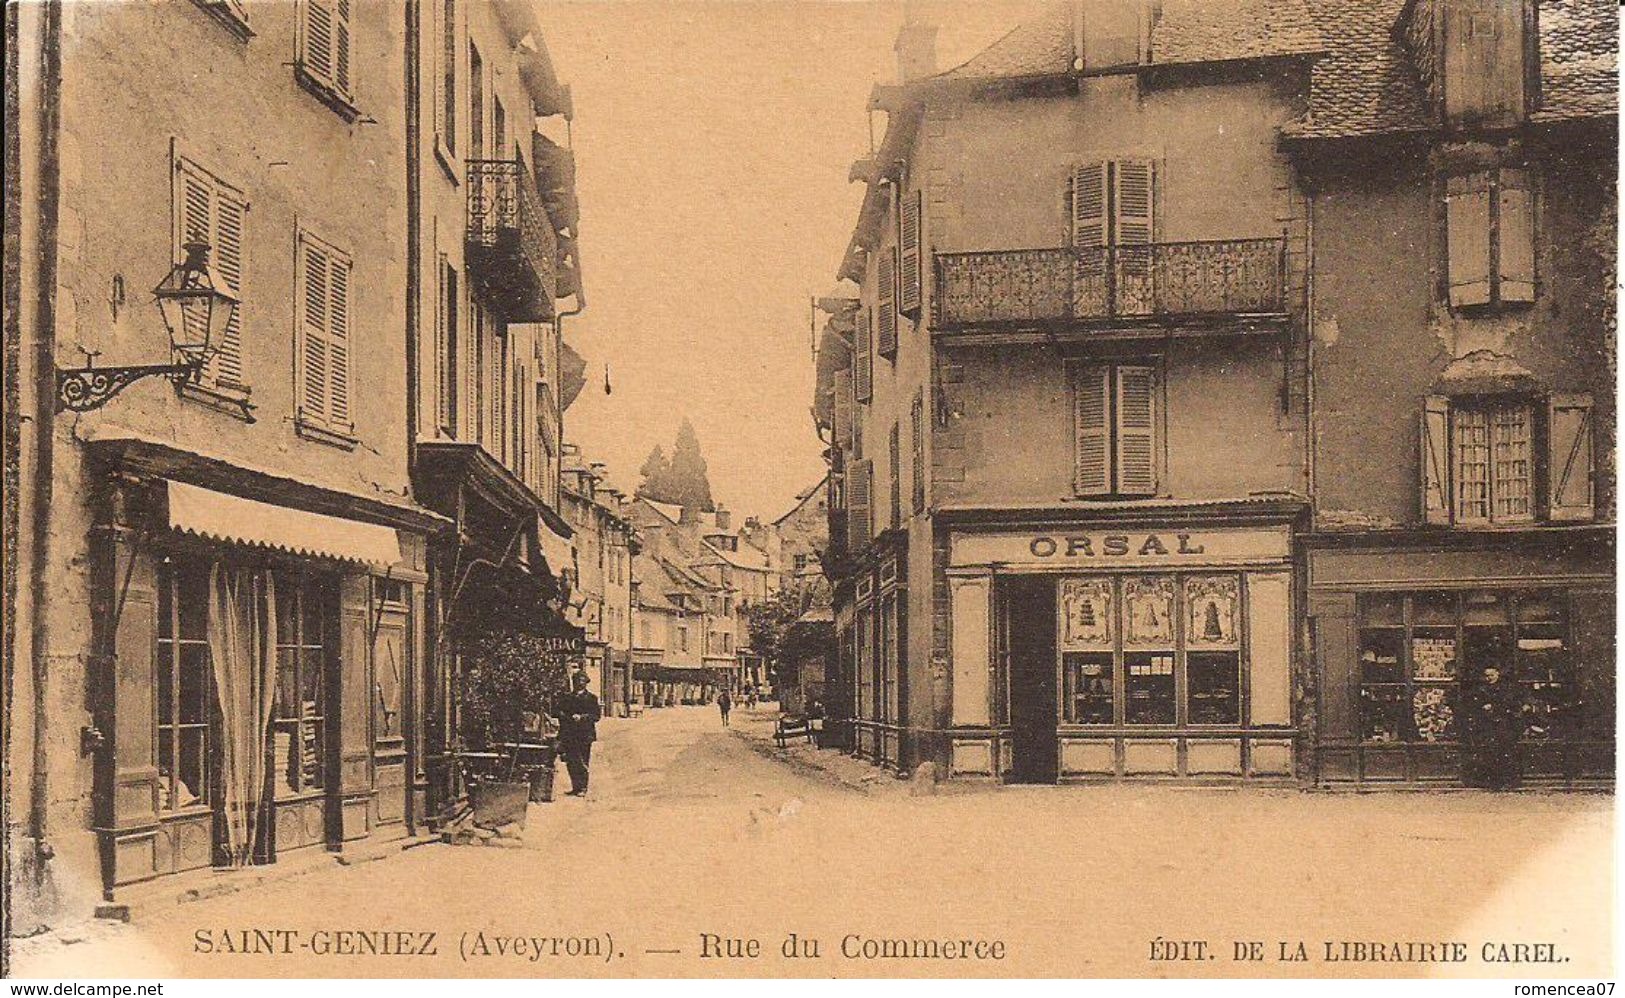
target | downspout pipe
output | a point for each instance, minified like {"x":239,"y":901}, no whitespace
{"x":44,"y":416}
{"x":415,"y":696}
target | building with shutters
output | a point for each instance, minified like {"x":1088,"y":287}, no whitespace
{"x":600,"y":581}
{"x":220,"y":634}
{"x":1460,"y":157}
{"x":1072,"y":433}
{"x":491,"y":276}
{"x":1229,"y":385}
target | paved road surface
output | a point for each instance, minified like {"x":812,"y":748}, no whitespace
{"x":691,"y":830}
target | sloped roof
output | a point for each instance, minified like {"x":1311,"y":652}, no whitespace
{"x":1187,"y":31}
{"x":1579,"y":59}
{"x":1366,"y":85}
{"x":802,"y":497}
{"x":670,"y":511}
{"x":748,"y":557}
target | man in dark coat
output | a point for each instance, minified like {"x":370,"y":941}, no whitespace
{"x":578,"y":729}
{"x":1495,"y":727}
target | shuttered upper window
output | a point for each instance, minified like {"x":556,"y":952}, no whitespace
{"x":917,"y":433}
{"x":1485,"y":49}
{"x":207,"y":209}
{"x":1482,"y":464}
{"x":323,"y":349}
{"x":909,"y":272}
{"x":1490,"y":236}
{"x":325,"y":32}
{"x":1116,"y":429}
{"x":859,"y":503}
{"x":895,"y":456}
{"x":886,"y":305}
{"x":863,"y":359}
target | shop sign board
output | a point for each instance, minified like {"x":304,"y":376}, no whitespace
{"x":1146,"y":548}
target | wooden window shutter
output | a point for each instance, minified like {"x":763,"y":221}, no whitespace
{"x":910,"y":292}
{"x":1434,"y":459}
{"x":886,"y":305}
{"x":1467,"y":221}
{"x":896,"y":483}
{"x":1091,"y":420}
{"x":859,"y":499}
{"x":917,"y":431}
{"x":313,"y":305}
{"x":320,"y":54}
{"x":1088,"y":205}
{"x":843,"y":409}
{"x":338,"y":342}
{"x":1515,"y":226}
{"x":1570,"y":458}
{"x":1135,"y":202}
{"x":230,"y":217}
{"x":863,"y":359}
{"x":341,"y":45}
{"x":1137,"y":430}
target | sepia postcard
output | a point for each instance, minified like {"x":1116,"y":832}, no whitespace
{"x":1115,"y":489}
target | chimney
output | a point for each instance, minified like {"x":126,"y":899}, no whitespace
{"x":723,"y":518}
{"x":916,"y":50}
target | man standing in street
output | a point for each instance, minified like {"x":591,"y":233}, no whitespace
{"x":578,"y":729}
{"x":724,"y":704}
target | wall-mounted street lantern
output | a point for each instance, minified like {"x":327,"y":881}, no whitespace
{"x":196,"y":308}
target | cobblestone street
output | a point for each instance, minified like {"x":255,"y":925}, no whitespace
{"x":693,"y":828}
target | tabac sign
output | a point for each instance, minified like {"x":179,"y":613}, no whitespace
{"x":1140,"y":548}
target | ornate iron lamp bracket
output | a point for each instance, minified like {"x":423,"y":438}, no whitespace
{"x":81,"y":389}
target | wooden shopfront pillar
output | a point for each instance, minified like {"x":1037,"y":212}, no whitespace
{"x":973,"y":749}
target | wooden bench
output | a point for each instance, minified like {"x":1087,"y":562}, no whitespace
{"x":791,"y":726}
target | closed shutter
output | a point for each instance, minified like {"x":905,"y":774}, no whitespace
{"x":917,"y":429}
{"x":843,"y":409}
{"x":1133,"y":228}
{"x":859,"y":500}
{"x":1467,"y":220}
{"x":1091,"y":419}
{"x":896,"y":483}
{"x":863,"y":359}
{"x":320,"y":53}
{"x":313,"y":270}
{"x":338,"y":342}
{"x":1136,"y":430}
{"x":910,"y":291}
{"x":1086,"y":216}
{"x":1515,"y":222}
{"x":1434,"y":459}
{"x":886,"y":305}
{"x":341,"y":45}
{"x":1569,"y":457}
{"x":324,"y":324}
{"x":230,"y":211}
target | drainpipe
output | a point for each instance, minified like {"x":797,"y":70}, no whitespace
{"x":418,"y":671}
{"x":44,"y":349}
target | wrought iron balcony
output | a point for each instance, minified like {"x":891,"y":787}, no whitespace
{"x":511,"y":245}
{"x":1160,"y":281}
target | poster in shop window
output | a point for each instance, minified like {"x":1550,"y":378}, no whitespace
{"x":900,"y":491}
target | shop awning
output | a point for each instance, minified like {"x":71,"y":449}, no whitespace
{"x":218,"y":516}
{"x":560,"y":552}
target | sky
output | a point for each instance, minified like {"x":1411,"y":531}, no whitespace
{"x":712,"y":141}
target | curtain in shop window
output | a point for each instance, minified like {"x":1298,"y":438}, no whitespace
{"x":242,"y":648}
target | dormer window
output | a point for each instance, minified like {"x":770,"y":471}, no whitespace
{"x":1111,"y":34}
{"x":1484,"y":51}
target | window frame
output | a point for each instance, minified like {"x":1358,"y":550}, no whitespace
{"x":168,"y":634}
{"x":1496,"y":186}
{"x":211,"y":385}
{"x":1077,"y":369}
{"x":295,"y":589}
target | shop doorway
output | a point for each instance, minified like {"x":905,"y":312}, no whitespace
{"x":1027,"y":620}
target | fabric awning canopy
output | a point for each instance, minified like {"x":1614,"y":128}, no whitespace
{"x":560,"y":552}
{"x":218,"y":516}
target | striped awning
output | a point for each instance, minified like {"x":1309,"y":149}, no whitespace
{"x":230,"y":519}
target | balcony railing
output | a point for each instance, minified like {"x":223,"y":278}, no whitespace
{"x":511,"y":243}
{"x":1232,"y":277}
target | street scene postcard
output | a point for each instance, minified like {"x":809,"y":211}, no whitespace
{"x":1117,"y":489}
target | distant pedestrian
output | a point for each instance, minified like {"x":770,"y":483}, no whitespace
{"x":1493,"y":730}
{"x":724,"y":704}
{"x":578,"y":729}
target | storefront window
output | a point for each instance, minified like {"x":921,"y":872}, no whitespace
{"x":888,"y":661}
{"x":298,"y":739}
{"x":185,"y":685}
{"x":1213,"y":649}
{"x":1422,"y":656}
{"x":1148,"y":650}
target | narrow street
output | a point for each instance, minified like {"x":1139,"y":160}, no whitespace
{"x":691,"y":828}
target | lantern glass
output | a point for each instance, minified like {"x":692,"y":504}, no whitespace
{"x":194,"y":304}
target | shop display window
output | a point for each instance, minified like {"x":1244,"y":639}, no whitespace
{"x":1090,"y":696}
{"x":1422,"y":659}
{"x":1148,"y":687}
{"x":185,"y":686}
{"x":1214,"y":681}
{"x":299,"y":722}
